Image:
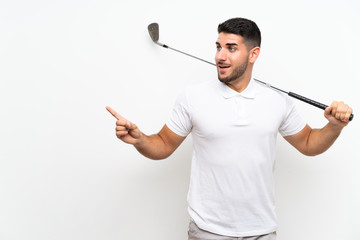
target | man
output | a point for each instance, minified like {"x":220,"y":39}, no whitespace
{"x":234,"y":123}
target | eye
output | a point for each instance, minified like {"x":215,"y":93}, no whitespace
{"x":232,"y":49}
{"x":218,"y":48}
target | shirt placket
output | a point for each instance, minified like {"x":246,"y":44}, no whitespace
{"x":242,"y":117}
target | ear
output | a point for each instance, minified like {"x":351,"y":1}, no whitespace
{"x":254,"y":54}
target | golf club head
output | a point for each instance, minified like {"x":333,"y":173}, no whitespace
{"x":153,"y":29}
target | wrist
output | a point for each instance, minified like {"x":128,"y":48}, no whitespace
{"x":139,"y":143}
{"x":335,"y":127}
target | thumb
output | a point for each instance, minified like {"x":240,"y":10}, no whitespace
{"x":328,"y":110}
{"x":133,"y":130}
{"x":130,"y":126}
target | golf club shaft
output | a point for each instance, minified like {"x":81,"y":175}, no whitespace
{"x":301,"y":98}
{"x":311,"y":102}
{"x":166,"y":46}
{"x":154,"y":34}
{"x":291,"y":94}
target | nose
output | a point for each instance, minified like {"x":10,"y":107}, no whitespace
{"x":220,"y":55}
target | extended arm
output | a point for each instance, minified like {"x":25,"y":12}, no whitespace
{"x":312,"y":142}
{"x":157,"y":146}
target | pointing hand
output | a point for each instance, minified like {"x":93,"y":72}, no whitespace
{"x":125,"y":130}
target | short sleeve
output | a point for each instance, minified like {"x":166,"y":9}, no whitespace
{"x":180,"y":120}
{"x":293,"y":122}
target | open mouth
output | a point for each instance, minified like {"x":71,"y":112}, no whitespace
{"x":223,"y":66}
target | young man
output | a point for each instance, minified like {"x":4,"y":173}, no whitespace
{"x":234,"y":123}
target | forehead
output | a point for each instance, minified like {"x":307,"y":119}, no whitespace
{"x":225,"y":38}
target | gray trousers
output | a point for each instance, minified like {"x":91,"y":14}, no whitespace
{"x":195,"y":233}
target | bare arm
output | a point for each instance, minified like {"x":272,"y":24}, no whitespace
{"x":156,"y":146}
{"x":159,"y":146}
{"x":312,"y":142}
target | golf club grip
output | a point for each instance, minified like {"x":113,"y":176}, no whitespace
{"x":312,"y":102}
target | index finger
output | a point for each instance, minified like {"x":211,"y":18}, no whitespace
{"x":114,"y":113}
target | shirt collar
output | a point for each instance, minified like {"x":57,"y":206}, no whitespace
{"x":249,"y":92}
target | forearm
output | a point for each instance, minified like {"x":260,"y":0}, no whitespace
{"x":312,"y":142}
{"x":152,"y":147}
{"x":320,"y":140}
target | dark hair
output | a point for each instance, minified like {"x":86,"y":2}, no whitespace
{"x":243,"y":27}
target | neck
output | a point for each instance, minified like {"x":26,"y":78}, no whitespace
{"x":241,"y":83}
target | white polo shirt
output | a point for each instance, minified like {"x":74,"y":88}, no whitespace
{"x":231,"y":188}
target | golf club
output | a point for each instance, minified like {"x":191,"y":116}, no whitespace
{"x":153,"y":29}
{"x":154,"y":34}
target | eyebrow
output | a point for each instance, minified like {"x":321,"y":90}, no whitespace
{"x":228,"y":44}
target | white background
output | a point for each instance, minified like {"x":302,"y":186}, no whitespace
{"x":64,"y":174}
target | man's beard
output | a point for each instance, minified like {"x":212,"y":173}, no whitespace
{"x":237,"y":73}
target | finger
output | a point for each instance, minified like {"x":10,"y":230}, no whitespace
{"x":345,"y":110}
{"x":120,"y":128}
{"x":122,"y":122}
{"x":121,"y":133}
{"x":334,"y":106}
{"x":342,"y":109}
{"x":114,"y":113}
{"x":337,"y":115}
{"x":348,"y":113}
{"x":339,"y":110}
{"x":343,"y":117}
